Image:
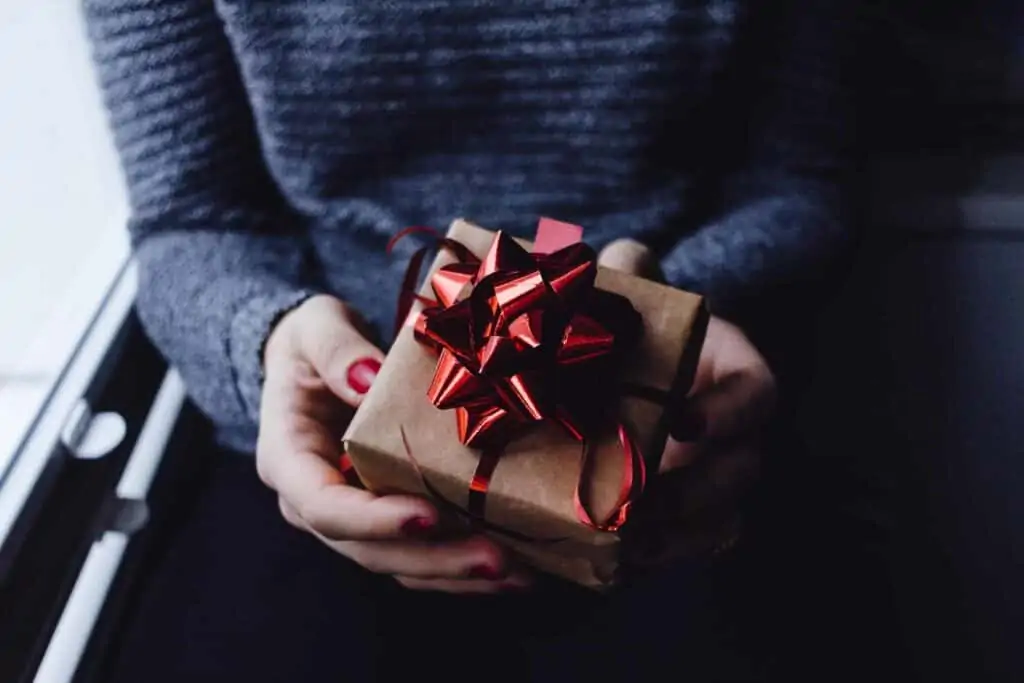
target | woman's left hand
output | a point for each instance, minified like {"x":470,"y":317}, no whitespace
{"x":714,"y":454}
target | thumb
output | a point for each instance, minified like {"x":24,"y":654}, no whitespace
{"x":330,"y":340}
{"x":630,"y":256}
{"x":734,"y":395}
{"x":731,"y":410}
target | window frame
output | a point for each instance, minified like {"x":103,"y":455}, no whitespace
{"x":67,"y":523}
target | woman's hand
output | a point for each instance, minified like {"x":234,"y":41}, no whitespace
{"x":318,"y":367}
{"x":714,"y":455}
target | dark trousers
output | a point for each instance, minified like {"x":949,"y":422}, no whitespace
{"x":234,"y":594}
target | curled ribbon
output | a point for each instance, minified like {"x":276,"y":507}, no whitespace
{"x":525,"y":338}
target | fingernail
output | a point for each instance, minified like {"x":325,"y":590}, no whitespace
{"x":417,"y":526}
{"x":362,"y":373}
{"x":689,"y":425}
{"x":484,"y":571}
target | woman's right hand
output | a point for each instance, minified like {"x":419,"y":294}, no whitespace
{"x":318,"y":366}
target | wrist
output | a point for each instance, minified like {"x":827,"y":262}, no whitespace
{"x":250,"y":330}
{"x":281,"y":336}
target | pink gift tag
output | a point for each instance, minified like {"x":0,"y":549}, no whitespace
{"x":553,"y":235}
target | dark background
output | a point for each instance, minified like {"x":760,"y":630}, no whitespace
{"x":909,"y":508}
{"x":919,"y":383}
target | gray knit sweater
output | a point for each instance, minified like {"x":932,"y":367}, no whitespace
{"x":271,"y":148}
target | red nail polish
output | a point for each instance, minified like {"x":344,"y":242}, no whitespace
{"x":484,"y":571}
{"x":362,"y":373}
{"x":417,"y":526}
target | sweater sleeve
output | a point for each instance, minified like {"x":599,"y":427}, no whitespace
{"x":219,"y":257}
{"x":778,"y":213}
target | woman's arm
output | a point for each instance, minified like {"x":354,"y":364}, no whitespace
{"x":219,"y":257}
{"x":779,"y":214}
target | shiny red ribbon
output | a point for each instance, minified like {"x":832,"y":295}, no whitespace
{"x":526,"y":338}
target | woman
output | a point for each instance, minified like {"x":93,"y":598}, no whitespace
{"x":272,"y":149}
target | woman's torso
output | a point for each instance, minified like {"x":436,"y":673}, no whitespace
{"x":374,"y":116}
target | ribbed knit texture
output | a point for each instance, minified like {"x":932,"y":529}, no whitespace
{"x":272,"y":148}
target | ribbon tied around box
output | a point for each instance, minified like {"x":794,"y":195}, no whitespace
{"x":525,"y":338}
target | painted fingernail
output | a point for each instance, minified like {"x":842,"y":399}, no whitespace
{"x":485,"y":571}
{"x":362,"y":373}
{"x":417,"y":526}
{"x":689,"y":425}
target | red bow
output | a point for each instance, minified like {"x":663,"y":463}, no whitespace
{"x":526,"y":338}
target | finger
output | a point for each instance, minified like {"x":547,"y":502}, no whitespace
{"x":369,"y":559}
{"x":378,"y":560}
{"x":512,"y":583}
{"x":295,"y":455}
{"x":339,"y":353}
{"x":727,"y":358}
{"x":469,"y":558}
{"x":678,"y":454}
{"x":317,"y":494}
{"x":734,"y":407}
{"x":341,"y":512}
{"x":733,"y":396}
{"x":291,"y":515}
{"x":630,"y":256}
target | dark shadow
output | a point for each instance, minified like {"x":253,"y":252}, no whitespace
{"x":916,"y":377}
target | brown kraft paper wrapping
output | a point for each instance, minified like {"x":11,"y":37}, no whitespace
{"x":532,"y":489}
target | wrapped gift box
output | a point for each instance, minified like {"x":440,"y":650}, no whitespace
{"x":399,"y":441}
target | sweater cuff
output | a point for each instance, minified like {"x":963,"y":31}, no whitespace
{"x":250,"y":327}
{"x":684,"y":269}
